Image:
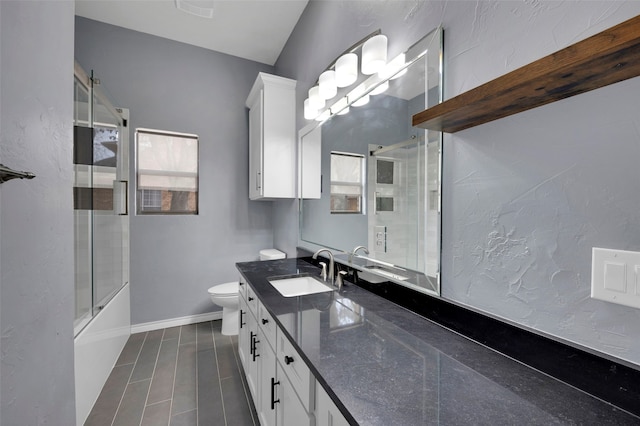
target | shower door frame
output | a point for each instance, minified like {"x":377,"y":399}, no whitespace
{"x":90,"y":85}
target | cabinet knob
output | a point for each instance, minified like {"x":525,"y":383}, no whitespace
{"x":250,"y":298}
{"x":288,"y":359}
{"x":264,"y":321}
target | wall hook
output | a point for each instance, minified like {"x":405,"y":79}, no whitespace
{"x":7,"y":174}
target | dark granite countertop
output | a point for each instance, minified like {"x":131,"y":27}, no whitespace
{"x":385,"y":365}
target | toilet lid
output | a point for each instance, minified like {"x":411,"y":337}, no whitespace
{"x":228,"y":289}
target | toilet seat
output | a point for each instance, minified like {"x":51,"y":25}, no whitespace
{"x":225,"y":290}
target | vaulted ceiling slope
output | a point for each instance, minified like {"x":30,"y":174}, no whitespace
{"x":251,"y":29}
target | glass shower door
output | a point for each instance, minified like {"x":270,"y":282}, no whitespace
{"x":403,"y":194}
{"x":100,"y":199}
{"x":397,"y":197}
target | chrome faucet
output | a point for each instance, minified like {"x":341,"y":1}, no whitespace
{"x":330,"y":275}
{"x":353,"y":253}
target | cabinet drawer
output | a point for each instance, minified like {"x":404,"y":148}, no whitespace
{"x":252,"y":301}
{"x":267,"y":325}
{"x":296,"y":370}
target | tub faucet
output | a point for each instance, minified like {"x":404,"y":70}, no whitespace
{"x":330,"y":275}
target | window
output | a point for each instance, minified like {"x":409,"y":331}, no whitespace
{"x":347,"y":181}
{"x":166,"y":172}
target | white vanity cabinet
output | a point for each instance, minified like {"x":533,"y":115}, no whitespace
{"x":281,"y":384}
{"x":295,"y":390}
{"x":327,"y":414}
{"x":247,"y":342}
{"x":272,"y":141}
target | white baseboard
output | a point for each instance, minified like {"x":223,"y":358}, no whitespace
{"x":174,"y":322}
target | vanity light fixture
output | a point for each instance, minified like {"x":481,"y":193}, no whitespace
{"x":346,"y":70}
{"x":361,"y":101}
{"x":340,"y":107}
{"x":309,"y":113}
{"x":327,"y":84}
{"x":374,"y":54}
{"x":315,"y":100}
{"x":343,"y":72}
{"x":380,"y":89}
{"x":324,"y":115}
{"x":394,"y":69}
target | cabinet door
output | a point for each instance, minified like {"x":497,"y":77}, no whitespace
{"x":252,"y":355}
{"x":290,"y":408}
{"x":268,"y":384}
{"x":256,"y":137}
{"x":327,"y":414}
{"x":297,"y":371}
{"x":243,"y":332}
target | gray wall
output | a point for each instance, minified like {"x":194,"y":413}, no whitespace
{"x":173,"y":86}
{"x":36,"y":216}
{"x":526,"y":197}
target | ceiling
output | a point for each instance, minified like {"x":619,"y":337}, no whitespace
{"x":252,"y":29}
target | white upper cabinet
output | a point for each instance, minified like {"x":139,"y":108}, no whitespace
{"x":272,"y":141}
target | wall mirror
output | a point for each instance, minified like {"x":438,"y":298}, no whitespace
{"x":368,"y":178}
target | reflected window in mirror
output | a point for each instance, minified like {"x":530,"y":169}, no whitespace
{"x":347,"y":183}
{"x":384,"y":204}
{"x":384,"y":173}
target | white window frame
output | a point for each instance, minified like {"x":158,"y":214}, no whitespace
{"x":360,"y":185}
{"x":188,"y":174}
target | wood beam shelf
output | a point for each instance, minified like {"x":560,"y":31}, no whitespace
{"x":605,"y":58}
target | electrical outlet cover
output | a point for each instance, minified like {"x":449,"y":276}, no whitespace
{"x":615,"y":276}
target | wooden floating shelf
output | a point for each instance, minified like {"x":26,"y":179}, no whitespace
{"x":605,"y":58}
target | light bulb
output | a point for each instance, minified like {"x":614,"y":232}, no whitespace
{"x":327,"y":84}
{"x":309,"y":113}
{"x":374,"y":54}
{"x":315,"y":100}
{"x":346,"y":70}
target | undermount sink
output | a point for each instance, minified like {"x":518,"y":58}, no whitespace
{"x":299,"y":286}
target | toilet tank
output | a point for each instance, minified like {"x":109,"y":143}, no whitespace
{"x":271,"y":254}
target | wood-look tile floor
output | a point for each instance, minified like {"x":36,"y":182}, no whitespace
{"x":180,"y":376}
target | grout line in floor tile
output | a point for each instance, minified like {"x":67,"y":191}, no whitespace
{"x":130,"y":374}
{"x":153,"y":375}
{"x":158,"y":402}
{"x":185,"y":411}
{"x":175,"y":371}
{"x":215,"y":352}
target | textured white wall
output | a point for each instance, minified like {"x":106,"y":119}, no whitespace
{"x":36,"y":216}
{"x":526,"y":197}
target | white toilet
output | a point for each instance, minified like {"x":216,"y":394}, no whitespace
{"x":226,"y":295}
